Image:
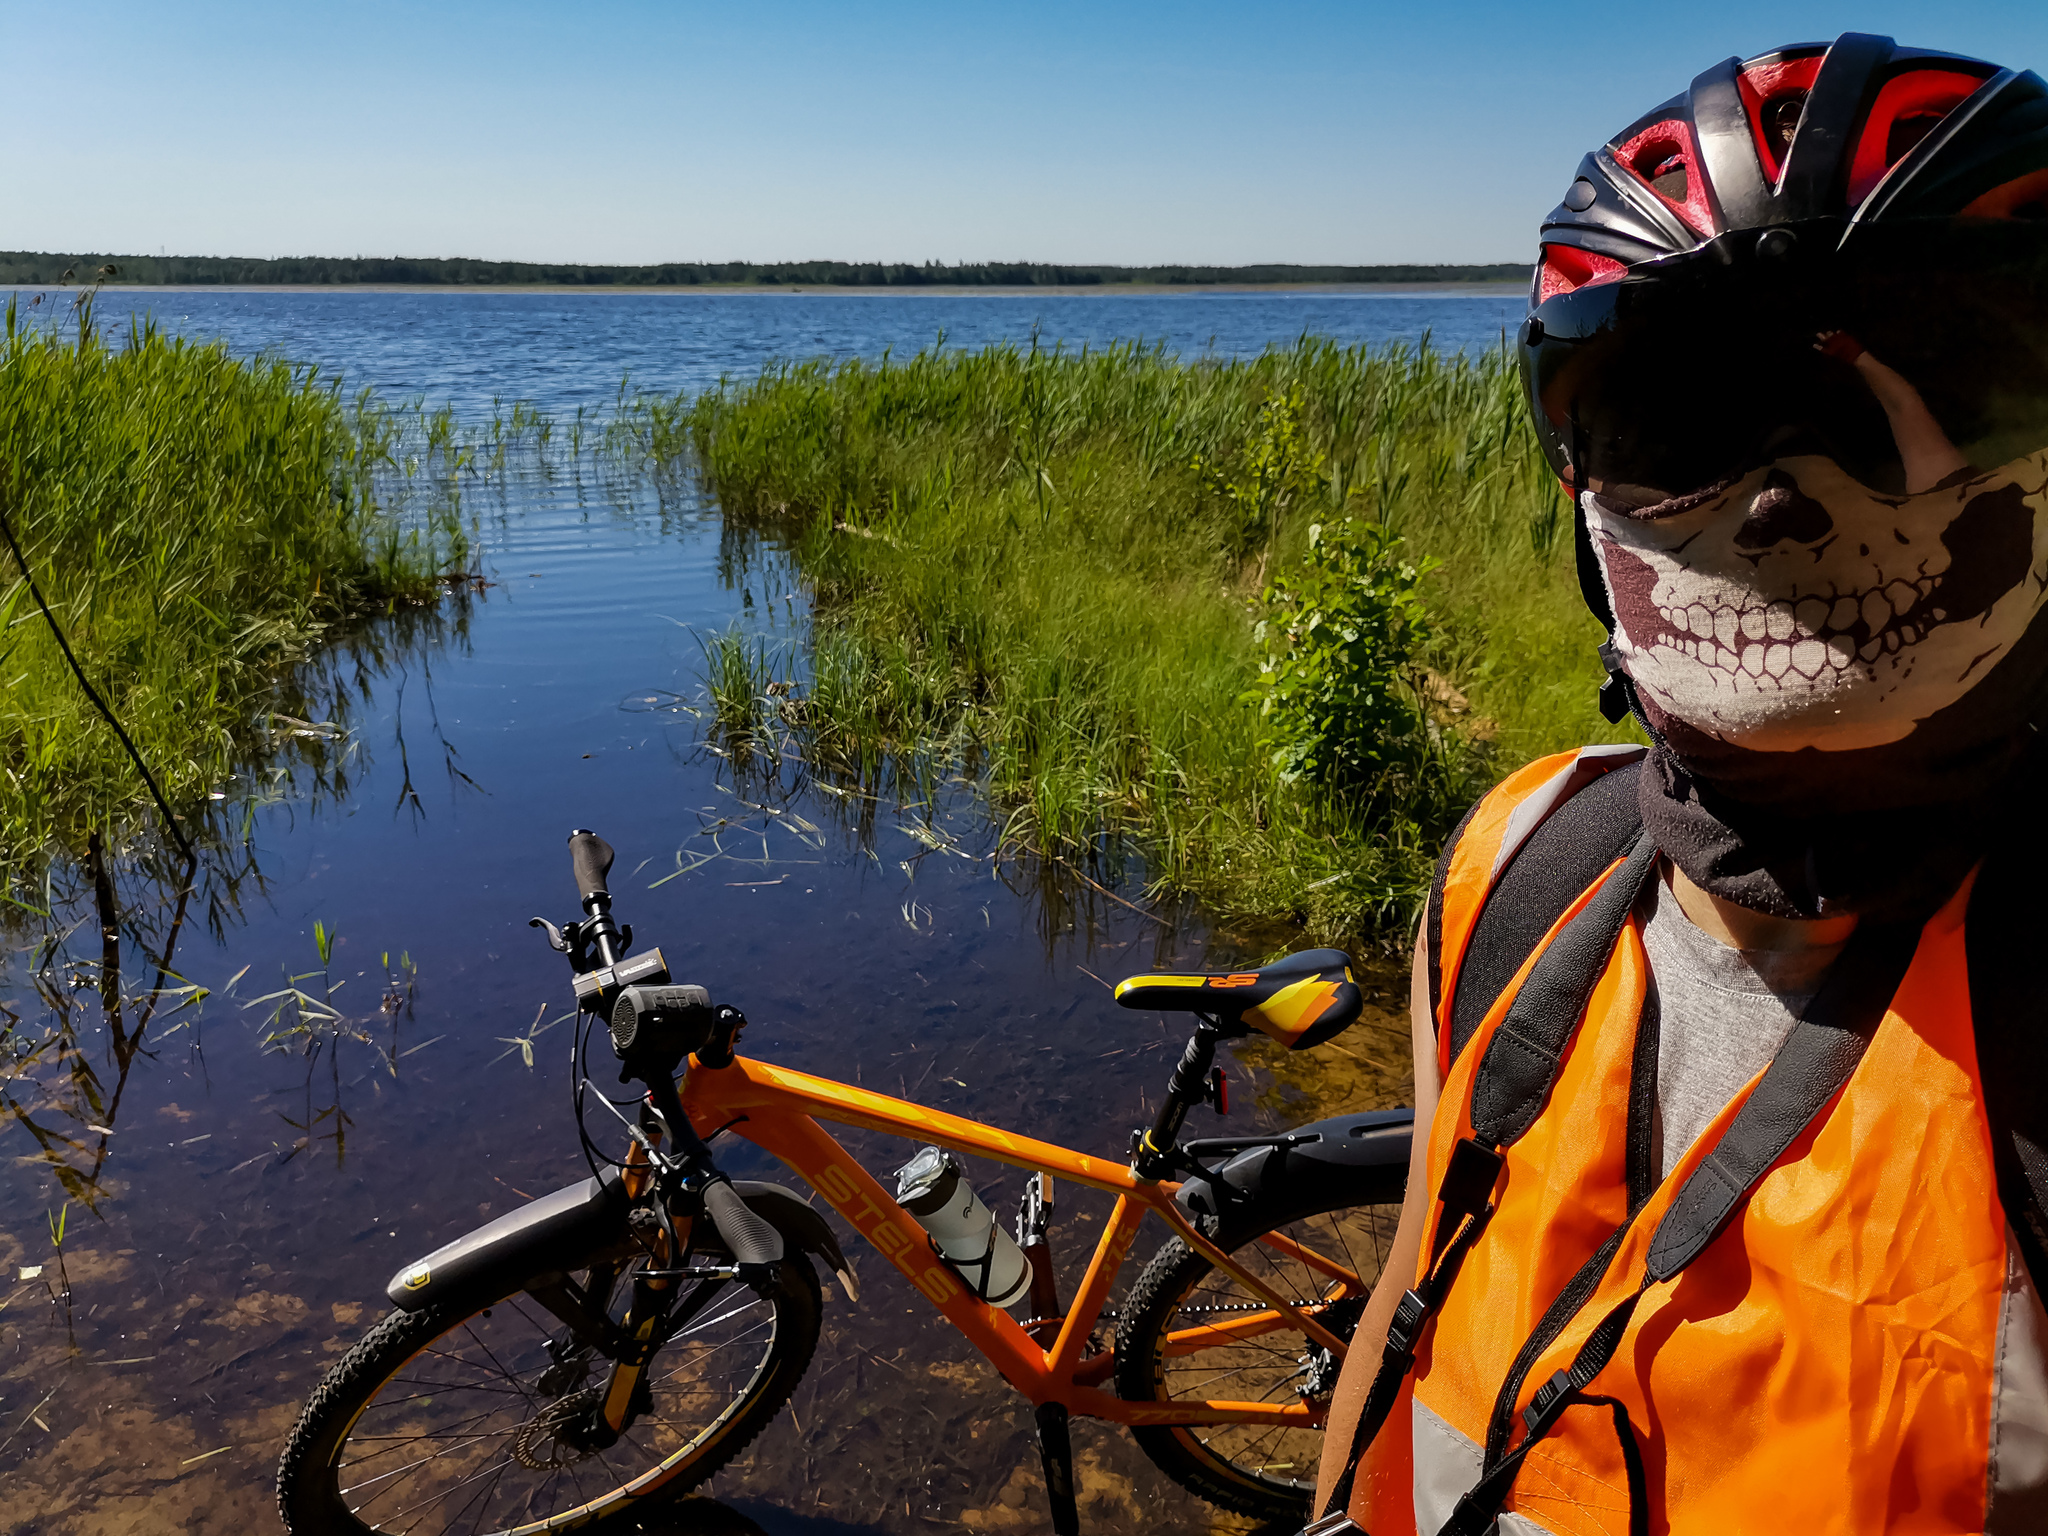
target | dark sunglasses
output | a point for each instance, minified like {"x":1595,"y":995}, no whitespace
{"x":1879,"y":347}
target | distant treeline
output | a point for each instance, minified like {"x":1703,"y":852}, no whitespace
{"x":37,"y":268}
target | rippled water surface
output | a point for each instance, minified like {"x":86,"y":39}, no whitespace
{"x":231,"y":1212}
{"x":569,"y":349}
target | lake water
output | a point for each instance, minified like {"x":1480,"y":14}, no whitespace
{"x":566,"y":350}
{"x":232,"y":1213}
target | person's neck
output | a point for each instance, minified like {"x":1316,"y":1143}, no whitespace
{"x":1740,"y":927}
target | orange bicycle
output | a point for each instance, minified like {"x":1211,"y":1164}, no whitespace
{"x":625,"y":1337}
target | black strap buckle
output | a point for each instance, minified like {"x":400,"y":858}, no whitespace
{"x":1408,"y":1319}
{"x":1546,"y":1405}
{"x":1614,"y":701}
{"x":1468,"y":1181}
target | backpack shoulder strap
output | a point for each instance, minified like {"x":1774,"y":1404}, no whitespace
{"x":1557,"y":841}
{"x":2009,"y":1009}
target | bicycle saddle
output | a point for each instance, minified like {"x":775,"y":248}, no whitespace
{"x":1300,"y":1000}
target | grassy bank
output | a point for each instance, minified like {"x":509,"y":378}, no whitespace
{"x":197,"y":523}
{"x":1270,"y":623}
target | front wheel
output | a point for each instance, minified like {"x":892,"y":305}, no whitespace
{"x":445,"y":1420}
{"x":1192,"y":1333}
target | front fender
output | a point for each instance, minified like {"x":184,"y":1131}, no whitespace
{"x":1359,"y":1160}
{"x":502,"y":1255}
{"x":560,"y":1231}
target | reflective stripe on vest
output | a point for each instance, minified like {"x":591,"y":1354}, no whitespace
{"x":1829,"y":1363}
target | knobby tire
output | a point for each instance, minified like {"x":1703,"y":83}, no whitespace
{"x":345,"y":1412}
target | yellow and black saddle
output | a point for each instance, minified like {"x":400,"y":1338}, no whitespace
{"x":1300,"y":1000}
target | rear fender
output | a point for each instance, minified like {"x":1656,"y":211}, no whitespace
{"x":1359,"y":1159}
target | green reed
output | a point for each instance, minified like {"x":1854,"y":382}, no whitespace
{"x":199,"y":524}
{"x":1044,"y":566}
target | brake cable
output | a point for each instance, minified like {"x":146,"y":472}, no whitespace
{"x":664,"y":1165}
{"x":579,"y":1064}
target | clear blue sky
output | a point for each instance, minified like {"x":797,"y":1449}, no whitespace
{"x":1361,"y":132}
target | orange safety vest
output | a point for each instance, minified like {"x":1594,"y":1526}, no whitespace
{"x":1827,"y":1363}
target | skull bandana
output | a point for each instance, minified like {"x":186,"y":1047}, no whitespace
{"x":1839,"y":681}
{"x":1787,"y":346}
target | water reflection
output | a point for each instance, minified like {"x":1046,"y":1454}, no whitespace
{"x":241,"y":1180}
{"x":708,"y":1517}
{"x":95,"y":968}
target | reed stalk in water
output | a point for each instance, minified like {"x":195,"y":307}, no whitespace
{"x":1051,"y":568}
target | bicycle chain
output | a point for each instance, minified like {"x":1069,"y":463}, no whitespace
{"x":1257,"y":1306}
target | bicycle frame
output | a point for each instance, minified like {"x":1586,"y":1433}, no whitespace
{"x":778,"y":1110}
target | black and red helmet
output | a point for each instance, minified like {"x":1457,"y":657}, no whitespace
{"x":1894,"y":197}
{"x":1858,"y":130}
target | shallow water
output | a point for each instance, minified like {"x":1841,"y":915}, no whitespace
{"x":232,"y":1213}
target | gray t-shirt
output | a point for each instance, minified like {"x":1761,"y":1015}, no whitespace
{"x":1722,"y":1014}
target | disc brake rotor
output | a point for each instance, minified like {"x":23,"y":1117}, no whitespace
{"x":539,"y":1444}
{"x":1318,"y":1364}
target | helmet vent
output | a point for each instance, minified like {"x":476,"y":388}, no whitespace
{"x":1663,"y":159}
{"x":1774,"y":92}
{"x":1910,"y":106}
{"x":1566,"y":268}
{"x":1779,"y":116}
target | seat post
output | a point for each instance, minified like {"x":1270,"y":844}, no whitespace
{"x":1152,"y":1151}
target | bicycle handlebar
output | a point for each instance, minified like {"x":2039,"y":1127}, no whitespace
{"x":592,"y":858}
{"x":749,"y":1236}
{"x":653,"y":1027}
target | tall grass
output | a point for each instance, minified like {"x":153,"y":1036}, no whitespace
{"x":1048,"y":565}
{"x":198,"y":523}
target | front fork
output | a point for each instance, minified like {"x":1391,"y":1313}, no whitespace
{"x":645,"y":1315}
{"x":632,"y":1342}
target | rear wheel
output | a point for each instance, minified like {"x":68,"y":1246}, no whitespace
{"x":443,"y":1421}
{"x":1193,"y":1333}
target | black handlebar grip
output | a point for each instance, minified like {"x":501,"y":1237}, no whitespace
{"x":592,"y":857}
{"x":747,"y":1236}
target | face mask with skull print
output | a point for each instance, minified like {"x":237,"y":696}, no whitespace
{"x":1797,"y":617}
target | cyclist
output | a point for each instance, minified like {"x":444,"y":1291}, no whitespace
{"x":1725,"y":1207}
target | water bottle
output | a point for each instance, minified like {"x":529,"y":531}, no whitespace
{"x":934,"y":1189}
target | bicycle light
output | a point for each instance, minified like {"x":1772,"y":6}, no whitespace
{"x":661,"y":1023}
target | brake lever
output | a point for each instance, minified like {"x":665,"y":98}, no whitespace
{"x":556,"y":941}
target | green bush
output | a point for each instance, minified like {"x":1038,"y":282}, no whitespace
{"x":1278,"y":471}
{"x":1344,"y":634}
